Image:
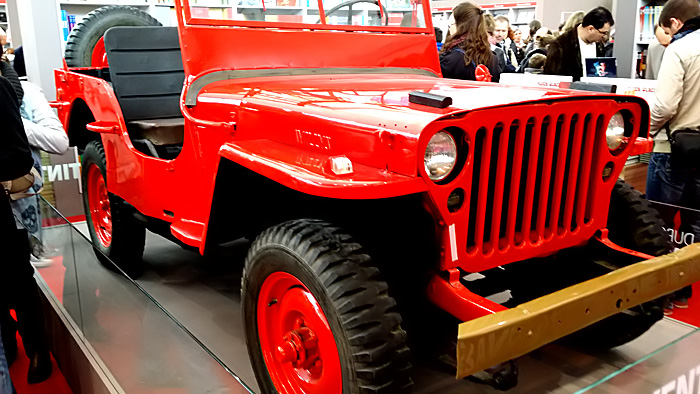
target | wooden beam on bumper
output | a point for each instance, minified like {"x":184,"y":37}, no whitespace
{"x":493,"y":339}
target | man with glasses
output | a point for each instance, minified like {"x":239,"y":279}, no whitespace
{"x":567,"y":55}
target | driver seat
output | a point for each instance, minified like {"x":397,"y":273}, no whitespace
{"x":147,"y":75}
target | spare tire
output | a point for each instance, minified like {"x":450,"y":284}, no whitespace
{"x":85,"y":35}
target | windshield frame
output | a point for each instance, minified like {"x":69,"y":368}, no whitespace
{"x":195,"y":21}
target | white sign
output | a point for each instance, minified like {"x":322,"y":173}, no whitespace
{"x":644,"y":88}
{"x":534,"y":80}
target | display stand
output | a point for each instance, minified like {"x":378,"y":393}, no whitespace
{"x":179,"y":327}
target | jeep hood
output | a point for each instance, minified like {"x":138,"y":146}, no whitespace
{"x":353,"y":115}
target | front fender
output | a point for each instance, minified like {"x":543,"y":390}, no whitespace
{"x":309,"y":172}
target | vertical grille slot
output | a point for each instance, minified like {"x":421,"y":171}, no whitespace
{"x":524,"y":145}
{"x":560,"y":169}
{"x":501,"y":151}
{"x":531,"y":180}
{"x":513,"y":180}
{"x":582,"y":214}
{"x":544,"y":185}
{"x":479,"y":141}
{"x":570,"y":195}
{"x":533,"y":177}
{"x":489,"y":163}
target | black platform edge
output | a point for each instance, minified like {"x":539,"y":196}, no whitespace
{"x":82,"y":368}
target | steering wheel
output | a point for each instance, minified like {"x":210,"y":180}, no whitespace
{"x":350,"y":3}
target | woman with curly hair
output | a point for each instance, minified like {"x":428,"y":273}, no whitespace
{"x":467,"y":48}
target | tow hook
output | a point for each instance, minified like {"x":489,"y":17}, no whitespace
{"x":501,"y":377}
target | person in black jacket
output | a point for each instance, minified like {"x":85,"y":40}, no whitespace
{"x":567,"y":55}
{"x":18,"y":290}
{"x":467,"y":45}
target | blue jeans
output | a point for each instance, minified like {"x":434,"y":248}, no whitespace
{"x":680,"y":188}
{"x":6,"y":386}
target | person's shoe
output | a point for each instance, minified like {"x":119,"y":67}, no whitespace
{"x":39,"y":262}
{"x":40,"y":367}
{"x":680,"y":303}
{"x":668,"y":308}
{"x":10,"y":351}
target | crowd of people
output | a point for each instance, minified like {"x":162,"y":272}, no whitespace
{"x":537,"y":50}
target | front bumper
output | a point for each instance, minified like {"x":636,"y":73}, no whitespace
{"x":504,"y":335}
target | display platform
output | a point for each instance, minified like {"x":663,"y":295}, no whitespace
{"x":179,"y":326}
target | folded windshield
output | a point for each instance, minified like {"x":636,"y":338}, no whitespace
{"x":391,"y":14}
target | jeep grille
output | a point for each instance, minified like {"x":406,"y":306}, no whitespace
{"x":527,"y":173}
{"x":533,"y":181}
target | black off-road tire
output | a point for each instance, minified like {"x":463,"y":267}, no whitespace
{"x":84,"y":36}
{"x":128,"y":235}
{"x":634,"y":224}
{"x":366,"y":327}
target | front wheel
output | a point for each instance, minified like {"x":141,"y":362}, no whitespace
{"x":113,"y":230}
{"x":634,"y":224}
{"x":318,"y":317}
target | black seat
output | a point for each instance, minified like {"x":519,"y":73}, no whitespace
{"x":145,"y":67}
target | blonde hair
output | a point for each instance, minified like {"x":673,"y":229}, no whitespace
{"x":574,"y":20}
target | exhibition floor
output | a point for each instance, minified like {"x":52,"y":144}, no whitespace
{"x":203,"y":295}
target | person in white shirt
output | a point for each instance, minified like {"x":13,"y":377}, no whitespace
{"x":567,"y":55}
{"x":44,"y":133}
{"x":673,"y":178}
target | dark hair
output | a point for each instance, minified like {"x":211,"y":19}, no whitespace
{"x":534,"y":26}
{"x":471,"y":34}
{"x":537,"y":60}
{"x":598,"y":17}
{"x":438,"y":34}
{"x":679,"y":9}
{"x":561,"y":25}
{"x":19,"y":62}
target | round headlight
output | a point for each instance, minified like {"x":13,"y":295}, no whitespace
{"x":615,"y":133}
{"x":440,"y":156}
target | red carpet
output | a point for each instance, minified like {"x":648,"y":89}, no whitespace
{"x":692,"y":314}
{"x":56,"y":384}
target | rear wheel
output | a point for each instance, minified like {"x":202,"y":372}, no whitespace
{"x":113,"y":230}
{"x":318,"y":317}
{"x":633,"y":224}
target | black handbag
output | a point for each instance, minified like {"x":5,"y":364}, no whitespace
{"x":685,"y":148}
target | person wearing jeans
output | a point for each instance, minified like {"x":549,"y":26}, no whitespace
{"x":676,"y":106}
{"x":6,"y":386}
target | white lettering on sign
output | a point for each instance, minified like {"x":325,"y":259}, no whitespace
{"x":684,"y":384}
{"x":679,"y":237}
{"x":61,"y":172}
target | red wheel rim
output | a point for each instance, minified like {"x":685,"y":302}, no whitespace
{"x":99,"y":54}
{"x":98,"y":204}
{"x":295,"y":338}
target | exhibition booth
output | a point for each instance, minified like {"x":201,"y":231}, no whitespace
{"x":287,"y":196}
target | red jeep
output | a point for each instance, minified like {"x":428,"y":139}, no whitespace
{"x":368,"y":184}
